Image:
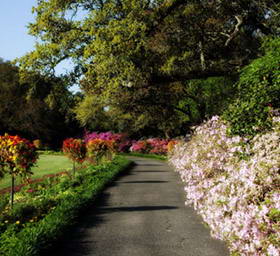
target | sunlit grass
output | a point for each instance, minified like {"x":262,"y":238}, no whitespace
{"x":46,"y":164}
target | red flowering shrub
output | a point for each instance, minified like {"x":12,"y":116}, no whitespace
{"x":171,"y":145}
{"x":99,"y":149}
{"x":74,"y":149}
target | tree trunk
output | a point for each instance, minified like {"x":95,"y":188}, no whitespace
{"x":74,"y":168}
{"x":12,"y":192}
{"x":202,"y":57}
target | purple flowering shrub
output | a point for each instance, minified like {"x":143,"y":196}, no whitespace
{"x":234,"y":185}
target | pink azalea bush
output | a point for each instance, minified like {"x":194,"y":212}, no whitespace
{"x":159,"y":146}
{"x":140,"y":146}
{"x":234,"y":185}
{"x":121,"y":142}
{"x":152,"y":146}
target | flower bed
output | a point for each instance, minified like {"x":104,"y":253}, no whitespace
{"x":44,"y":210}
{"x":234,"y":185}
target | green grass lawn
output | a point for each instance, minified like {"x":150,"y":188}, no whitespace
{"x":46,"y":164}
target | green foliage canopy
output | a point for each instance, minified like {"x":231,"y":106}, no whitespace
{"x":136,"y":56}
{"x":37,"y":108}
{"x":258,"y":93}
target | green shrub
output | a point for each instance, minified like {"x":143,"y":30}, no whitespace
{"x":258,"y":93}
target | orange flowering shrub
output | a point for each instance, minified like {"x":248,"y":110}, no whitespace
{"x":74,"y":149}
{"x":171,"y":145}
{"x":99,"y":149}
{"x":17,"y":155}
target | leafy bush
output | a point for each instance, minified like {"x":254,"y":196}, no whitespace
{"x":99,"y":150}
{"x":258,"y":90}
{"x":17,"y":156}
{"x":171,"y":145}
{"x":75,"y":149}
{"x":234,"y":185}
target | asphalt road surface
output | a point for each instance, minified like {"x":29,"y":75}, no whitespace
{"x":142,"y":214}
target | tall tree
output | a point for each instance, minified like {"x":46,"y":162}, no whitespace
{"x":136,"y":55}
{"x":37,"y":108}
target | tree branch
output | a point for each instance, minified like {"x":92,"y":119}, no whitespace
{"x":236,"y":30}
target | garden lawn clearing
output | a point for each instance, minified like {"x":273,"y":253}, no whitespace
{"x":46,"y":164}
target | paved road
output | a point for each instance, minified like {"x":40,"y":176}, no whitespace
{"x":142,"y":214}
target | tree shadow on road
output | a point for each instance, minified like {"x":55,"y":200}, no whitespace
{"x":76,"y":242}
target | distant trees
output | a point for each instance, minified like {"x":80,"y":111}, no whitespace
{"x":38,"y":108}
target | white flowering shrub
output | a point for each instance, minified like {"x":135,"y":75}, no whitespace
{"x":234,"y":185}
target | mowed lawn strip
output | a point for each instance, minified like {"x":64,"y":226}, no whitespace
{"x":46,"y":164}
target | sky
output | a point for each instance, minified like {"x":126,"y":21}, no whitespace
{"x":14,"y":18}
{"x":14,"y":40}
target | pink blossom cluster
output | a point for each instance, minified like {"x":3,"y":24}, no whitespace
{"x":153,"y":146}
{"x":120,"y":139}
{"x":104,"y":136}
{"x":234,"y":184}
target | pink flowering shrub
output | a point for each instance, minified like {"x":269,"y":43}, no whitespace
{"x":153,"y":146}
{"x":159,"y":146}
{"x":104,"y":136}
{"x":140,"y":146}
{"x":124,"y":146}
{"x":234,"y":185}
{"x":121,"y":142}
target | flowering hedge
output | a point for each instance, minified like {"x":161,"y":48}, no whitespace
{"x":17,"y":155}
{"x":124,"y":144}
{"x":234,"y":185}
{"x":75,"y":149}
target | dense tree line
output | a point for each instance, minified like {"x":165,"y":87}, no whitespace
{"x":38,"y":108}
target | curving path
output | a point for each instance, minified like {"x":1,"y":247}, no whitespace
{"x":142,"y":214}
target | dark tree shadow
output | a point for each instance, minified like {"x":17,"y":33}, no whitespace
{"x":137,"y":209}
